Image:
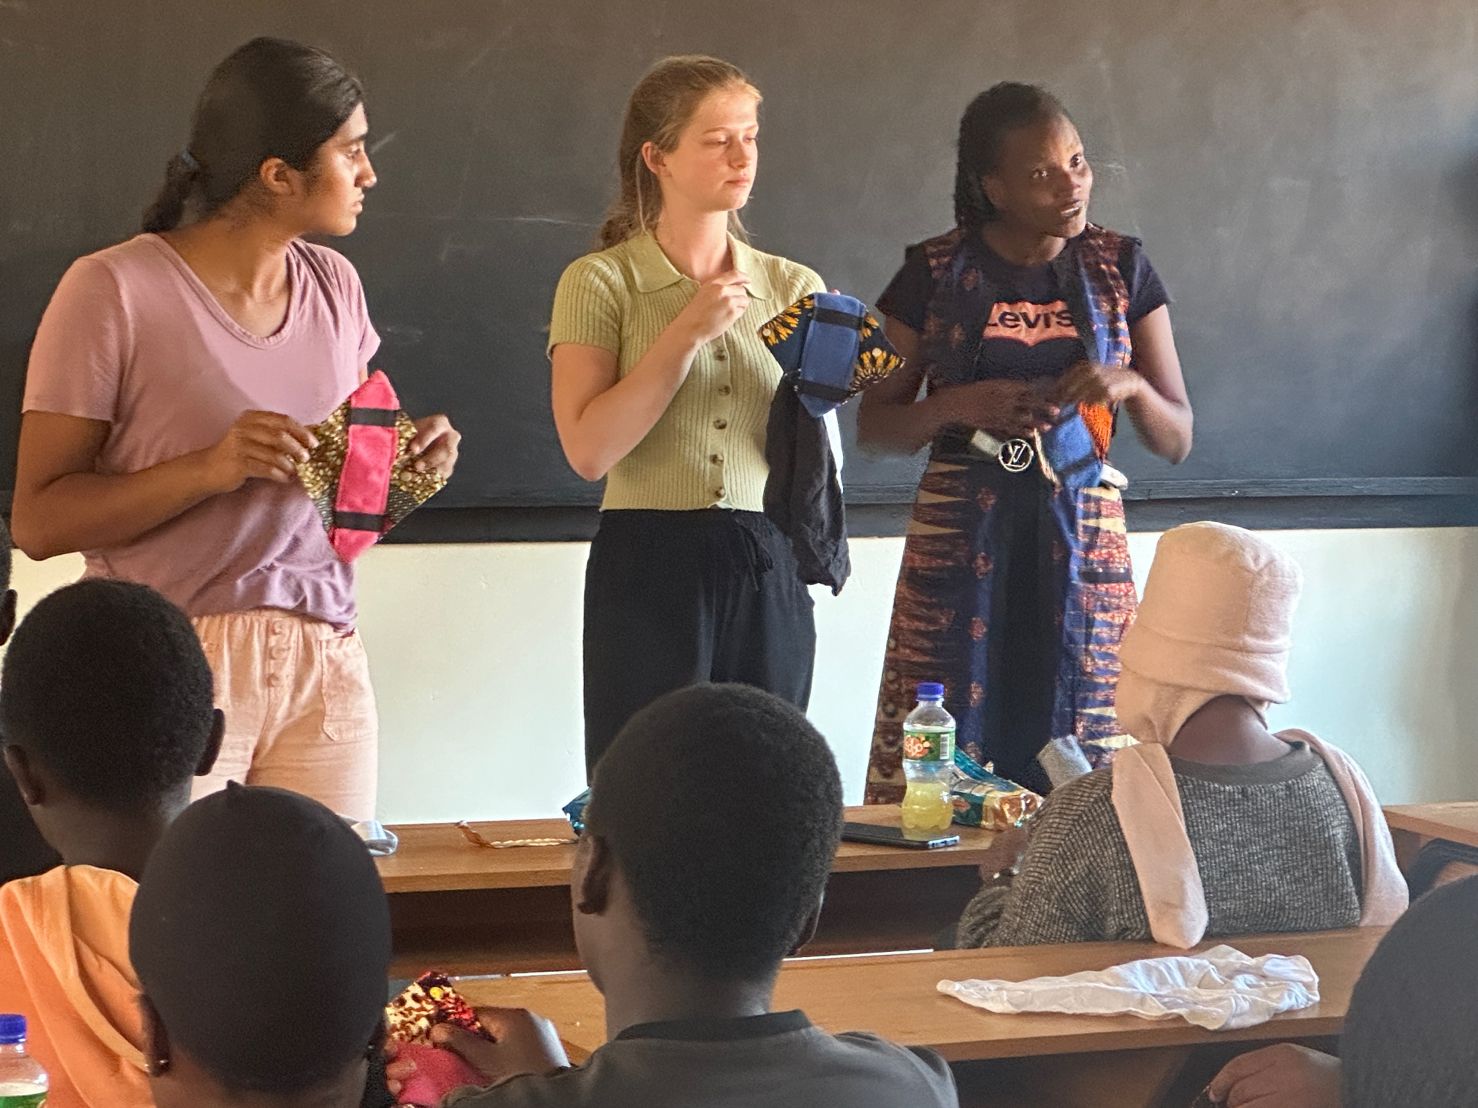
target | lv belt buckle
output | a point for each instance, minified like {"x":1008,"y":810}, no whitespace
{"x":1016,"y":455}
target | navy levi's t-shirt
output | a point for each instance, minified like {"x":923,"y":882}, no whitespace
{"x":1030,"y":332}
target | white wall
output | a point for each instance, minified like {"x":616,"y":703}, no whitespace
{"x":476,"y":656}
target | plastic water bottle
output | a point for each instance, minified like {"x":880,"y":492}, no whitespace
{"x":928,"y":756}
{"x":23,"y":1082}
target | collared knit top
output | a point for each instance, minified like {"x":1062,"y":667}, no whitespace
{"x":708,"y":449}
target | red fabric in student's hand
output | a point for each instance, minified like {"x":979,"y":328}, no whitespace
{"x":438,"y":1072}
{"x":369,"y":455}
{"x":362,"y":476}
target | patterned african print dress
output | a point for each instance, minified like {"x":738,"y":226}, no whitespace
{"x":1015,"y":588}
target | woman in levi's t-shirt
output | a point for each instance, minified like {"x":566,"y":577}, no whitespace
{"x":1026,"y":326}
{"x":166,"y":408}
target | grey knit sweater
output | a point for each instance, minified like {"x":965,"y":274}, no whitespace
{"x":1275,"y":843}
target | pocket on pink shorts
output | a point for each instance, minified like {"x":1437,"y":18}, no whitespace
{"x":348,"y":696}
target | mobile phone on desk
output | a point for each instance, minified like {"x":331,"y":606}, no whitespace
{"x":894,"y":836}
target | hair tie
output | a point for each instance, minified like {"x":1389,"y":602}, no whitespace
{"x":188,"y":160}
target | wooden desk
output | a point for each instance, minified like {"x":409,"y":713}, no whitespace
{"x":1000,"y":1061}
{"x":895,"y":996}
{"x":468,"y":910}
{"x":1415,"y":825}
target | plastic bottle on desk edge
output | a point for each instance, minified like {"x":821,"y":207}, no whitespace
{"x":928,"y":758}
{"x":23,"y":1083}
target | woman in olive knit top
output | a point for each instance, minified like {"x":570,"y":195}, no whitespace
{"x":662,"y":386}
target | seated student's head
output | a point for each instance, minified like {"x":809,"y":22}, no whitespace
{"x":1214,"y":629}
{"x":713,"y":821}
{"x":107,"y":713}
{"x":1408,"y":1039}
{"x":26,"y":853}
{"x":261,"y":939}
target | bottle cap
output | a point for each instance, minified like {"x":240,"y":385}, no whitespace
{"x":12,"y":1030}
{"x":931,"y":690}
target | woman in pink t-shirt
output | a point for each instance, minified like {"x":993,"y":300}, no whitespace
{"x":167,"y":402}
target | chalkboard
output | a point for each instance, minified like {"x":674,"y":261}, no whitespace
{"x":1302,"y":175}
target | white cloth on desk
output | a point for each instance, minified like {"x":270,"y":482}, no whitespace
{"x":1219,"y":989}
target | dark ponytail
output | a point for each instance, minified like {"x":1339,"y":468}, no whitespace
{"x":1000,"y":108}
{"x":271,"y":98}
{"x":169,"y":206}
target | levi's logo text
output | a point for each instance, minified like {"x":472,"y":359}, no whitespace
{"x":1030,"y":323}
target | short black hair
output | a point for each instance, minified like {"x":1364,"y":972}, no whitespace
{"x":261,"y":936}
{"x":25,"y":853}
{"x":722,"y":806}
{"x":106,"y":685}
{"x":1408,"y":1037}
{"x":1000,"y":108}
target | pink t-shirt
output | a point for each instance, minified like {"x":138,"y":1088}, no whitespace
{"x":133,"y":337}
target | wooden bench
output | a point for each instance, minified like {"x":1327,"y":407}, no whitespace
{"x":467,"y":909}
{"x":1415,"y":825}
{"x":1435,"y":843}
{"x":1119,"y":1060}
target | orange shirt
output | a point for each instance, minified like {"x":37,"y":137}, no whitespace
{"x":64,"y":966}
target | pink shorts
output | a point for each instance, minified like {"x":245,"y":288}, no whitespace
{"x":300,"y":712}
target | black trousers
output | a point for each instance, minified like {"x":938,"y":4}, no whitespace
{"x":680,"y":598}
